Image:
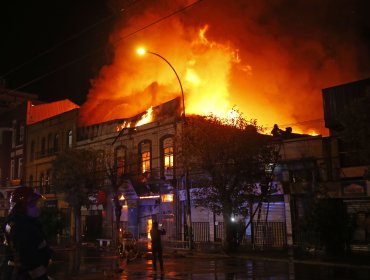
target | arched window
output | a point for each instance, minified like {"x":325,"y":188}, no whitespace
{"x":47,"y":182}
{"x":56,"y":143}
{"x":49,"y":144}
{"x":69,"y":139}
{"x":167,"y":148}
{"x":43,"y":146}
{"x":41,"y":183}
{"x":145,"y":149}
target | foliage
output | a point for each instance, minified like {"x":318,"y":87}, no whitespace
{"x":227,"y":162}
{"x":115,"y":179}
{"x":52,"y":223}
{"x":74,"y":175}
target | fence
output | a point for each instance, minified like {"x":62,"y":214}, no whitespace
{"x":266,"y":235}
{"x":307,"y":239}
{"x":269,"y":234}
{"x":201,"y":232}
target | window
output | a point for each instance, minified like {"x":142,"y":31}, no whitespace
{"x":47,"y":182}
{"x":49,"y":144}
{"x":145,"y":156}
{"x":56,"y":143}
{"x":43,"y":146}
{"x":69,"y":139}
{"x":167,"y":197}
{"x":120,"y":161}
{"x":41,"y":183}
{"x":167,"y":157}
{"x":21,"y":133}
{"x":12,"y":169}
{"x":32,"y":151}
{"x":20,"y":168}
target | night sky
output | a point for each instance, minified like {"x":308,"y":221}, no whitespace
{"x":291,"y":49}
{"x":54,"y":48}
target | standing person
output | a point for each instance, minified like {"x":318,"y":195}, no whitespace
{"x":28,"y":253}
{"x":155,"y":234}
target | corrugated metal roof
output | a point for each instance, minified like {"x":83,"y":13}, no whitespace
{"x":41,"y":112}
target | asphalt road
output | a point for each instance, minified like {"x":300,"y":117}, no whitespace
{"x":93,"y":264}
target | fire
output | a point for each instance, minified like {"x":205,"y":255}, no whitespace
{"x":125,"y":124}
{"x":313,"y":133}
{"x":146,"y":118}
{"x":218,"y":66}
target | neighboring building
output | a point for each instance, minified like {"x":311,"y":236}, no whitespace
{"x":349,"y":167}
{"x":303,"y":172}
{"x":10,"y":99}
{"x":51,"y":128}
{"x":13,"y":119}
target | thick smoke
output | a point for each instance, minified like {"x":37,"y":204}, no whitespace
{"x":274,"y":56}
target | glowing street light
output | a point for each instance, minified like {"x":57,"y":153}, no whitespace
{"x":142,"y":51}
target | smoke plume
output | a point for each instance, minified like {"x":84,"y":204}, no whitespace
{"x":271,"y":59}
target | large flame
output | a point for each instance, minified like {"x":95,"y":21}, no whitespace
{"x":226,"y":53}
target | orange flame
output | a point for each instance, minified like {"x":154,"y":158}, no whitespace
{"x":226,"y":62}
{"x":146,"y":118}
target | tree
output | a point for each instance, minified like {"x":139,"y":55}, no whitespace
{"x":74,"y":174}
{"x":115,"y":175}
{"x":227,"y":160}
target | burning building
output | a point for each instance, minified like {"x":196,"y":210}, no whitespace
{"x":140,"y":151}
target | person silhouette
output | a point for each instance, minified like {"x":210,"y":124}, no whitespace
{"x":28,"y":254}
{"x":157,"y":251}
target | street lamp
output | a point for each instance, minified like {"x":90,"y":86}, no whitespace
{"x":142,"y":51}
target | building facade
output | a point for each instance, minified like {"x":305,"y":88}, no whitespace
{"x":140,"y":156}
{"x":350,"y":165}
{"x":13,"y":120}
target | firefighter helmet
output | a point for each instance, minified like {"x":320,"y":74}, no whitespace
{"x":21,"y":196}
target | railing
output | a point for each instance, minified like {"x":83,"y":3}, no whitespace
{"x":201,"y":231}
{"x":307,"y":239}
{"x":269,"y":234}
{"x":266,"y":235}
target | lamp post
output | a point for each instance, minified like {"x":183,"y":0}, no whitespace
{"x":142,"y":51}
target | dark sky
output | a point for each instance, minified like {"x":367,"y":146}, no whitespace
{"x":294,"y":47}
{"x":54,"y":47}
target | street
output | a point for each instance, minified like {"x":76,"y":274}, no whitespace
{"x":91,"y":264}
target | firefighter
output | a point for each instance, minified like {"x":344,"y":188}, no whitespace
{"x":28,"y":253}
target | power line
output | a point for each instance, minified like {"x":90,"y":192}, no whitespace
{"x":56,"y":46}
{"x":101,"y":48}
